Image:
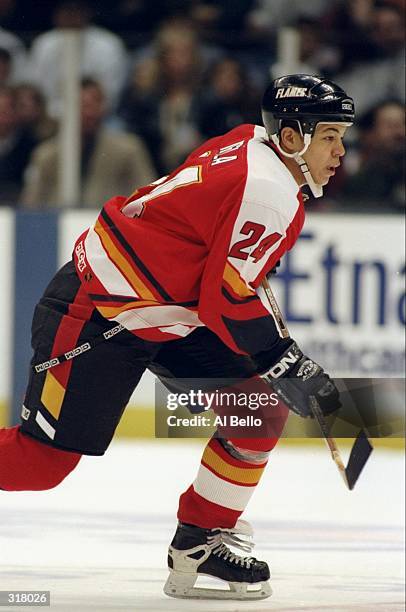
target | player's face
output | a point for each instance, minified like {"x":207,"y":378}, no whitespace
{"x":325,"y":151}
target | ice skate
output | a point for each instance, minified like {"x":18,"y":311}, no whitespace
{"x":195,"y":552}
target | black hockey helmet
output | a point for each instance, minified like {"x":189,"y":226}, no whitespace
{"x":306,"y":99}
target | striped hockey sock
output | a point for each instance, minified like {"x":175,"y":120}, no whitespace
{"x":222,"y":488}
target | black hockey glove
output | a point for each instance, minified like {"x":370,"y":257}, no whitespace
{"x":295,"y":378}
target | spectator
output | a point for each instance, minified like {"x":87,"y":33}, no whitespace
{"x":315,"y":55}
{"x":103,"y":55}
{"x":387,"y":30}
{"x":167,"y":78}
{"x":32,"y":113}
{"x":269,"y":15}
{"x":111,"y":162}
{"x":223,"y":21}
{"x":139,"y":107}
{"x":348,"y":24}
{"x":229,"y":100}
{"x":15,"y":149}
{"x":136,"y":20}
{"x":181,"y":72}
{"x":227,"y":23}
{"x":265,"y":22}
{"x":181,"y":27}
{"x":315,"y":50}
{"x":380,"y":178}
{"x":383,"y":77}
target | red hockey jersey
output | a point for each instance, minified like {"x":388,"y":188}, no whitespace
{"x":192,"y":248}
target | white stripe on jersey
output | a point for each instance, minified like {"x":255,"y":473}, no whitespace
{"x":155,"y":316}
{"x":45,"y":426}
{"x":107,"y":273}
{"x":177,"y":330}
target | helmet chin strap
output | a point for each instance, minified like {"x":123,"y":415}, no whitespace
{"x":315,"y":188}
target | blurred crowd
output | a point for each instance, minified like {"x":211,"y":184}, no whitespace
{"x":159,"y":77}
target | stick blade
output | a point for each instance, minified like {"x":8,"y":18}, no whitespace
{"x":358,"y":457}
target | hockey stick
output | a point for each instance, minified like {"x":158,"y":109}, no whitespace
{"x":361,"y":448}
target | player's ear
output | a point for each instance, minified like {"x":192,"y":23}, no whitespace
{"x":290,"y":139}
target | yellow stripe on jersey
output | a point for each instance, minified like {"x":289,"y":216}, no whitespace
{"x":122,"y":264}
{"x":52,"y":395}
{"x":113,"y":311}
{"x":247,"y":476}
{"x":232,"y":278}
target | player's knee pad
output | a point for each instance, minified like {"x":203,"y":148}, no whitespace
{"x":29,"y":465}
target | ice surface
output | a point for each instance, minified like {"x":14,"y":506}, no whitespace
{"x":98,"y":542}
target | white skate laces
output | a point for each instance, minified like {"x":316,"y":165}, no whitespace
{"x":222,"y":538}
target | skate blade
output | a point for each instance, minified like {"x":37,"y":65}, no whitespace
{"x":182,"y":586}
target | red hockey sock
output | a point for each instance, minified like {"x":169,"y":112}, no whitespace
{"x":28,"y":465}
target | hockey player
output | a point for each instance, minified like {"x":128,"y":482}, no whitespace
{"x":179,"y":265}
